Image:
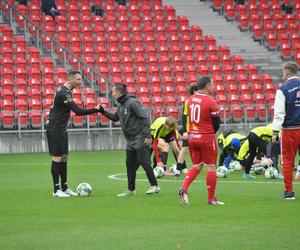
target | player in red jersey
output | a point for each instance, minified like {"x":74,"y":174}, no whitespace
{"x":204,"y":121}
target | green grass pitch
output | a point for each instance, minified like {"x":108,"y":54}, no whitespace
{"x":253,"y":217}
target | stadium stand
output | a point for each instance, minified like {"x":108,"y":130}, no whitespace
{"x":271,"y":22}
{"x":145,"y":45}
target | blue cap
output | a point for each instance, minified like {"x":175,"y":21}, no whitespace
{"x":236,"y":143}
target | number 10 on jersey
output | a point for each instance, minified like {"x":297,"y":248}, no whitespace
{"x":195,"y":112}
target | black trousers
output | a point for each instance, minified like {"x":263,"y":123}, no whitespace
{"x":257,"y":146}
{"x":135,"y":158}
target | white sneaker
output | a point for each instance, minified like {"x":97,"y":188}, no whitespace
{"x":153,"y":190}
{"x":60,"y":194}
{"x":127,"y":193}
{"x":184,"y":199}
{"x":297,"y":176}
{"x":70,"y":192}
{"x":185,"y":170}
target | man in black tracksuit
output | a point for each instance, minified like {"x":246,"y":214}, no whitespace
{"x":135,"y":124}
{"x":57,"y":135}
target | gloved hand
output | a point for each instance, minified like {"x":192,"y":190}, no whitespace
{"x":275,"y":137}
{"x":100,"y":108}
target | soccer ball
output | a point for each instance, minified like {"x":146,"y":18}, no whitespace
{"x":174,"y":169}
{"x":258,"y":169}
{"x":158,"y":172}
{"x":264,"y":162}
{"x":222,"y":172}
{"x":84,"y":189}
{"x":236,"y":165}
{"x":271,"y":173}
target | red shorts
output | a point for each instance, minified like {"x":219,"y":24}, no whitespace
{"x":203,"y":149}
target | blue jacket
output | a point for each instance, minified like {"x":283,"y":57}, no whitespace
{"x":287,"y":105}
{"x":291,"y":91}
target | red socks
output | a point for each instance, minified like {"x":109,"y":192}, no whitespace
{"x":211,"y":183}
{"x":189,"y":178}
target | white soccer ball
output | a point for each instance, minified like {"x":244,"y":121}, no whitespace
{"x":158,"y":172}
{"x":84,"y":189}
{"x":258,"y":169}
{"x":236,"y":165}
{"x":222,"y":172}
{"x":174,"y":169}
{"x":264,"y":162}
{"x":271,"y":173}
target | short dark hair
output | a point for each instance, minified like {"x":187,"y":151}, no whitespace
{"x":291,"y":67}
{"x":120,"y":87}
{"x":203,"y":81}
{"x":72,"y":73}
{"x":193,"y":88}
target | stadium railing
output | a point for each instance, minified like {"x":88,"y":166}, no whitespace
{"x":38,"y":36}
{"x":93,"y":75}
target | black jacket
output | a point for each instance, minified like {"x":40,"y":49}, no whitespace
{"x":47,"y":5}
{"x":134,"y":121}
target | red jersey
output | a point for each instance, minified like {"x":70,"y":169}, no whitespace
{"x":201,"y":109}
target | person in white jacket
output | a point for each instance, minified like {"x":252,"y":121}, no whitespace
{"x":287,"y":117}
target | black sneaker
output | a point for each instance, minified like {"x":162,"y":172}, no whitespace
{"x":288,"y":196}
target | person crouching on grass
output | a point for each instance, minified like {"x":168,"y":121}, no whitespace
{"x":135,"y":124}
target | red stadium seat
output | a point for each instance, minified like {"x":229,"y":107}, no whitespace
{"x":172,"y":111}
{"x":258,"y":99}
{"x":266,"y":79}
{"x":237,"y":113}
{"x":254,"y":79}
{"x":229,"y":11}
{"x":7,"y":94}
{"x":241,"y":79}
{"x":220,"y":90}
{"x":233,"y":99}
{"x":217,"y":4}
{"x":250,"y":113}
{"x":143,"y":92}
{"x":21,"y":119}
{"x":47,"y":103}
{"x":286,"y":51}
{"x":225,"y":114}
{"x":261,"y":111}
{"x":246,"y":99}
{"x":6,"y":41}
{"x":181,"y":99}
{"x":19,"y":41}
{"x":271,"y":41}
{"x":20,"y":105}
{"x":181,"y":91}
{"x":244,"y":22}
{"x":7,"y":84}
{"x":20,"y":94}
{"x":35,"y":119}
{"x":18,"y":63}
{"x":7,"y":119}
{"x":221,"y":100}
{"x":7,"y":105}
{"x":157,"y":101}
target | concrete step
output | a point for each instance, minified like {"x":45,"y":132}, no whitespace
{"x":228,"y":33}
